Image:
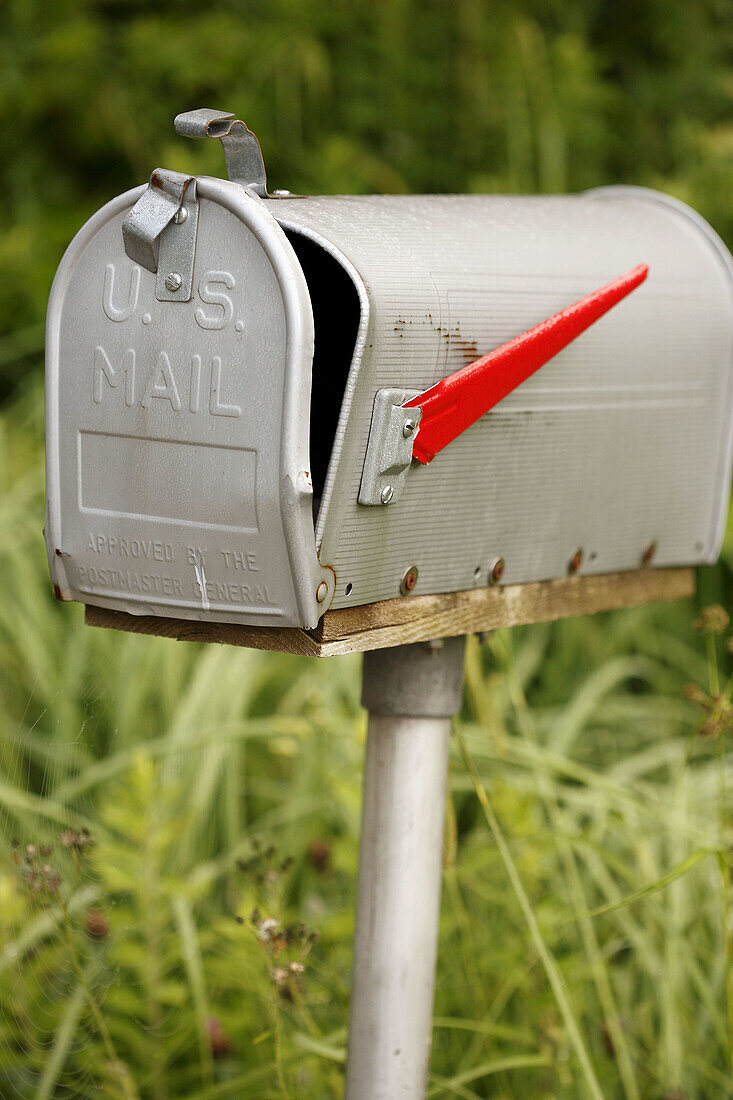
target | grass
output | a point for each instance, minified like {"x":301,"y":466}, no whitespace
{"x":585,"y":933}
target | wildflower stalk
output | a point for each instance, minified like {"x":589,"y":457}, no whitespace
{"x":713,"y":674}
{"x":725,"y":875}
{"x":714,"y":621}
{"x":278,"y":1043}
{"x":152,"y":932}
{"x":278,"y":943}
{"x":726,"y":892}
{"x":117,"y":1067}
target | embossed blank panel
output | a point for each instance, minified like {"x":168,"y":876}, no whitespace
{"x":181,"y":435}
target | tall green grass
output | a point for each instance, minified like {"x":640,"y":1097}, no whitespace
{"x":585,"y":934}
{"x":585,"y":925}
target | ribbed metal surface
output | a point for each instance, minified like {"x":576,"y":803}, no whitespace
{"x":620,"y":441}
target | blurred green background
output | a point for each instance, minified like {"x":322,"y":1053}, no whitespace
{"x":214,"y":782}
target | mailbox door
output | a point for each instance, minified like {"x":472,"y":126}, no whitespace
{"x":177,"y":432}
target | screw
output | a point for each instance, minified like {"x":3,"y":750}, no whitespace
{"x":408,"y":428}
{"x":496,"y":571}
{"x":575,"y":562}
{"x":321,"y":592}
{"x":387,"y":494}
{"x":409,"y":581}
{"x":180,"y":215}
{"x":173,"y":281}
{"x":648,"y":553}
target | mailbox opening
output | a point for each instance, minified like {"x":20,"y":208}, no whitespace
{"x":336,"y":317}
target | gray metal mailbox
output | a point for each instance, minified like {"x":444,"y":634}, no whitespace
{"x":228,"y":376}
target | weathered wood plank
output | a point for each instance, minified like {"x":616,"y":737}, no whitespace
{"x":276,"y":639}
{"x":395,"y":622}
{"x":419,"y":618}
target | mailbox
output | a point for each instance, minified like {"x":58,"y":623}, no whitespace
{"x":260,"y":407}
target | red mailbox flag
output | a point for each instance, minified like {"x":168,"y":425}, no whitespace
{"x":456,"y":402}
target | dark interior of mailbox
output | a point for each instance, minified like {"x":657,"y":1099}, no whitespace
{"x":336,"y":314}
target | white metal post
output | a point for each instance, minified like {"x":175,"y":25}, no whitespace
{"x":411,"y":692}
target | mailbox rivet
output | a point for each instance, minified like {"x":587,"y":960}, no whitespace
{"x":408,"y":428}
{"x":576,"y":561}
{"x":648,"y":553}
{"x":180,"y":215}
{"x":173,"y":281}
{"x":409,"y":581}
{"x":496,"y":571}
{"x":386,"y":494}
{"x":321,"y":592}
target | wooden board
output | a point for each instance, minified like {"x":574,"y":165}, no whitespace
{"x":420,"y":618}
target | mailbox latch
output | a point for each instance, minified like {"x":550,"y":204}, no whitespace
{"x":389,"y":450}
{"x":160,"y":231}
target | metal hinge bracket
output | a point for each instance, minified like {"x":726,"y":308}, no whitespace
{"x":389,"y":450}
{"x":160,"y":232}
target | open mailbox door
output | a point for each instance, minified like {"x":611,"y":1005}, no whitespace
{"x":237,"y":385}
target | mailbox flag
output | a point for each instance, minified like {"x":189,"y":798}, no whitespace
{"x":456,"y":402}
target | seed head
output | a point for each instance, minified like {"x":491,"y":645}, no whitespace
{"x":96,"y":924}
{"x":42,"y":883}
{"x":219,"y":1041}
{"x":76,"y":840}
{"x":695,"y":694}
{"x":713,"y":620}
{"x":319,"y":854}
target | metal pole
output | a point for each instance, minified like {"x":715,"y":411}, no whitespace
{"x":411,"y":692}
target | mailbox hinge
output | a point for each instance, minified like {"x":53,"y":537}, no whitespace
{"x":160,"y":231}
{"x":389,"y":450}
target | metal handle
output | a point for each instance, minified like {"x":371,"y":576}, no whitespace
{"x":242,"y":151}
